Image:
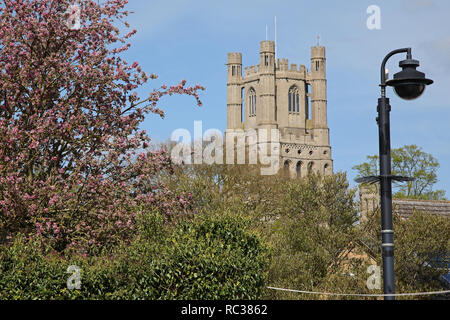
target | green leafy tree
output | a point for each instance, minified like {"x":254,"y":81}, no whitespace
{"x":409,"y":161}
{"x":422,"y":247}
{"x":309,"y":223}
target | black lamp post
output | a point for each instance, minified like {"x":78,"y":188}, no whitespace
{"x":409,"y":84}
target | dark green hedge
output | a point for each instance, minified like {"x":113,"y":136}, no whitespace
{"x":205,"y":258}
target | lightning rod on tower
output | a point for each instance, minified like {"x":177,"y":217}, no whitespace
{"x":276,"y":40}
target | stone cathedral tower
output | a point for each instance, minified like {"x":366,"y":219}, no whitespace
{"x":274,"y":95}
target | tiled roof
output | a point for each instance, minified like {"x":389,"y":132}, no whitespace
{"x":406,"y":207}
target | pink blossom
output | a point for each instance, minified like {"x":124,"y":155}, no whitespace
{"x":61,"y":156}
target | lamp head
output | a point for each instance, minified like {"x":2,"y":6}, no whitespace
{"x":409,"y":83}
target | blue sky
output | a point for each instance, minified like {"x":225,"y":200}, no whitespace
{"x":190,"y":40}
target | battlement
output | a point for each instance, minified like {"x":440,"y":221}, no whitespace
{"x":283,"y":65}
{"x":248,"y":71}
{"x":317,"y":52}
{"x":267,"y":46}
{"x":234,"y":58}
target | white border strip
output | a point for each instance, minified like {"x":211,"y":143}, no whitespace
{"x":362,"y":294}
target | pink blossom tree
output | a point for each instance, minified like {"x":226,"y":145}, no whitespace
{"x":70,"y":170}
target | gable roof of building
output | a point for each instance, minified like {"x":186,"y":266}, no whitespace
{"x":406,"y":207}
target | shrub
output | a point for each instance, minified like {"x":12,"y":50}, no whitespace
{"x":209,"y":257}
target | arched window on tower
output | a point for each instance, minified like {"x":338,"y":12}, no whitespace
{"x":307,"y":98}
{"x":299,"y":169}
{"x":243,"y":104}
{"x":286,"y":167}
{"x":293,"y":97}
{"x":310,"y":167}
{"x":251,"y":102}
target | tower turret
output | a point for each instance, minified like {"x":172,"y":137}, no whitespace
{"x":266,"y":115}
{"x":234,"y":85}
{"x":319,"y":94}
